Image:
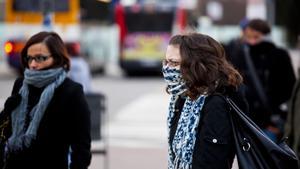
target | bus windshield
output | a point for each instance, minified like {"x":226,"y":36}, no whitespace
{"x":38,"y":5}
{"x":149,"y":22}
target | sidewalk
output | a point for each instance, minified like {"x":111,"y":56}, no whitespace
{"x":137,"y":136}
{"x":134,"y":158}
{"x":131,"y":158}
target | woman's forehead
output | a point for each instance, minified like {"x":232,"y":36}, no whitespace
{"x":38,"y":48}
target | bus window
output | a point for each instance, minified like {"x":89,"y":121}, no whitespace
{"x":37,"y":5}
{"x":144,"y":35}
{"x":149,"y":22}
{"x":30,"y":11}
{"x":29,"y":16}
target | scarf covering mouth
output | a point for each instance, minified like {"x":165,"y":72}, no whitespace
{"x":173,"y":77}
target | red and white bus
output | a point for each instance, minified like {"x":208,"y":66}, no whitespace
{"x":145,"y":30}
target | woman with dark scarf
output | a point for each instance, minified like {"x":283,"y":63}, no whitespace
{"x":197,"y":73}
{"x":50,"y":127}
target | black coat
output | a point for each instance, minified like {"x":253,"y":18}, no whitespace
{"x":64,"y":126}
{"x":214,"y":147}
{"x":274,"y":69}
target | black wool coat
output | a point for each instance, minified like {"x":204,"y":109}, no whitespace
{"x":64,"y":127}
{"x":275,"y":71}
{"x":214,"y":146}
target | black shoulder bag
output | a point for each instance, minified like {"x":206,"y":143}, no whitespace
{"x":253,"y":148}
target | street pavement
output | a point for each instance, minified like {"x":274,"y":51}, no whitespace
{"x":136,"y":139}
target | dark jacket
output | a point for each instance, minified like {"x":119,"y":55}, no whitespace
{"x":274,"y":69}
{"x":214,"y":147}
{"x":64,"y":126}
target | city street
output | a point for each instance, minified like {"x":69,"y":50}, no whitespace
{"x":111,"y":38}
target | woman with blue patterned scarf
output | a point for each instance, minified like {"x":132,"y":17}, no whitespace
{"x":49,"y":116}
{"x":197,"y":73}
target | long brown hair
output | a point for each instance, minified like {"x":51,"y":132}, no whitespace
{"x":203,"y":64}
{"x":55,"y":46}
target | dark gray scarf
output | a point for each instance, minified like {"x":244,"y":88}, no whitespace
{"x":22,"y":137}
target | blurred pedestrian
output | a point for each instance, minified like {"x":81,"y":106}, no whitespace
{"x":234,"y":46}
{"x":200,"y":132}
{"x":268,"y":74}
{"x":79,"y":69}
{"x":53,"y":116}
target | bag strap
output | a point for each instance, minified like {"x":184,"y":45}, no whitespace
{"x":256,"y":81}
{"x":235,"y":110}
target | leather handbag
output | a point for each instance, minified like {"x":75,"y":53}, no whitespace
{"x":254,"y":149}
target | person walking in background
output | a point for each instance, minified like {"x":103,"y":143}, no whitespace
{"x":53,"y":116}
{"x":197,"y":73}
{"x":268,"y":74}
{"x":79,"y":69}
{"x":234,"y":46}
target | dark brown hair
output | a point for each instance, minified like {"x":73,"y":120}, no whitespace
{"x":260,"y":26}
{"x":55,"y":46}
{"x":203,"y":64}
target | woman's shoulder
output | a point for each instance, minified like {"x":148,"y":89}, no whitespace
{"x":17,"y":85}
{"x":19,"y":81}
{"x":70,"y":86}
{"x":215,"y":98}
{"x":214,"y":102}
{"x":219,"y":99}
{"x":70,"y":82}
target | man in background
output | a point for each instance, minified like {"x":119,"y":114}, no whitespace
{"x":268,"y":75}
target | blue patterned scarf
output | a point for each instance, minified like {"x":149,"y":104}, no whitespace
{"x":182,"y":147}
{"x":173,"y":77}
{"x":22,"y":137}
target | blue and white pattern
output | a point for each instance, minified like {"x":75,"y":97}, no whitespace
{"x":173,"y":77}
{"x":182,"y":147}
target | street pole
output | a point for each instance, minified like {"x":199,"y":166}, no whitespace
{"x":270,"y":4}
{"x":47,"y":8}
